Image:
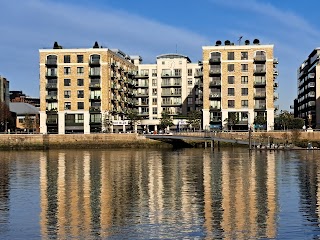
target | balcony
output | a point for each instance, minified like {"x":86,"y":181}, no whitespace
{"x":94,"y":86}
{"x":95,"y":109}
{"x":52,"y":98}
{"x":214,"y":72}
{"x":51,"y":62}
{"x":95,"y":98}
{"x":276,"y":107}
{"x":275,"y":72}
{"x":51,"y":86}
{"x":214,"y":60}
{"x":143,"y":114}
{"x":215,"y":84}
{"x":260,"y":95}
{"x":94,"y":62}
{"x":275,"y":96}
{"x":146,"y":75}
{"x":142,"y":94}
{"x":259,"y":107}
{"x":259,"y":58}
{"x":51,"y":75}
{"x":142,"y":85}
{"x":169,"y":94}
{"x":215,"y":119}
{"x":143,"y":104}
{"x":312,"y":85}
{"x":215,"y":108}
{"x":51,"y":110}
{"x":215,"y":95}
{"x":72,"y":123}
{"x":198,"y":74}
{"x":259,"y":71}
{"x":199,"y":102}
{"x":170,"y":75}
{"x":170,"y":103}
{"x":275,"y":84}
{"x":275,"y":61}
{"x":53,"y":121}
{"x":259,"y":83}
{"x":94,"y":74}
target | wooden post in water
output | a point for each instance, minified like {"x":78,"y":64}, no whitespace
{"x":212,"y":144}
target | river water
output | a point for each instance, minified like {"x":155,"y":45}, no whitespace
{"x":159,"y":194}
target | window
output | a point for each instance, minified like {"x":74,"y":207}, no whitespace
{"x":154,"y":92}
{"x":230,"y":79}
{"x":80,"y":70}
{"x":154,"y":110}
{"x":66,"y":58}
{"x":154,"y":82}
{"x":244,"y":79}
{"x":230,"y":67}
{"x":67,"y":94}
{"x":244,"y":91}
{"x":177,"y":72}
{"x":244,"y":55}
{"x":80,"y":82}
{"x":189,"y":71}
{"x":95,"y":118}
{"x":190,"y":100}
{"x":67,"y":82}
{"x":230,"y":91}
{"x":79,"y":118}
{"x":80,"y":94}
{"x":95,"y":71}
{"x":154,"y":101}
{"x":231,"y":103}
{"x":189,"y":81}
{"x":244,"y":103}
{"x":67,"y":70}
{"x":244,"y":67}
{"x":79,"y":58}
{"x":154,"y":72}
{"x":80,"y":105}
{"x":230,"y":55}
{"x":21,"y":120}
{"x":67,"y":105}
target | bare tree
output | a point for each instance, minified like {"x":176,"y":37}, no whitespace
{"x":5,"y":116}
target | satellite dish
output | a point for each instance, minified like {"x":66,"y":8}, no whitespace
{"x":227,"y":42}
{"x":218,"y":43}
{"x":256,"y":41}
{"x":246,"y":42}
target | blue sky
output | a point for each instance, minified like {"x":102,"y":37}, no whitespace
{"x":150,"y":28}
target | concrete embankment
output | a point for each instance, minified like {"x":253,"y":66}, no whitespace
{"x":77,"y":141}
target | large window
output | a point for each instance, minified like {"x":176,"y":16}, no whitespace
{"x":230,"y":79}
{"x":244,"y":79}
{"x":67,"y":70}
{"x":244,"y":67}
{"x":230,"y":91}
{"x":189,"y":71}
{"x":80,"y":70}
{"x":67,"y":105}
{"x":244,"y":55}
{"x":66,"y":58}
{"x":244,"y":103}
{"x":80,"y":105}
{"x":67,"y":94}
{"x":67,"y":82}
{"x":79,"y":58}
{"x":244,"y":91}
{"x":230,"y":55}
{"x":80,"y":82}
{"x":231,"y":103}
{"x":80,"y":94}
{"x":230,"y":67}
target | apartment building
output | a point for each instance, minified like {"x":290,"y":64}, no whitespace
{"x":239,"y":80}
{"x":307,"y":104}
{"x":4,"y":90}
{"x":173,"y":84}
{"x":84,"y":90}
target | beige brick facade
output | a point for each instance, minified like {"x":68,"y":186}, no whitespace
{"x":99,"y":78}
{"x":246,"y":63}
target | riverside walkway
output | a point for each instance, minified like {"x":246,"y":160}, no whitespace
{"x":206,"y":137}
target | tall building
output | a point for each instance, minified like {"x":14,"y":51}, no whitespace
{"x":84,"y":90}
{"x":239,"y":82}
{"x":4,"y":90}
{"x":307,"y":104}
{"x":172,"y":85}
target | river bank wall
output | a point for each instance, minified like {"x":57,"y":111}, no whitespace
{"x":77,"y":141}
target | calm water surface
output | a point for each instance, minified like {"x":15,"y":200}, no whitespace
{"x":159,"y":194}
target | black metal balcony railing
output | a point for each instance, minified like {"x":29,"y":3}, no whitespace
{"x":95,"y":98}
{"x":260,"y":95}
{"x":51,"y":97}
{"x":95,"y":109}
{"x":51,"y":86}
{"x":198,"y":74}
{"x":214,"y":72}
{"x":215,"y":83}
{"x":51,"y":109}
{"x":51,"y":62}
{"x":260,"y":107}
{"x":51,"y":75}
{"x":215,"y":119}
{"x":215,"y":108}
{"x":94,"y":85}
{"x":259,"y":71}
{"x":214,"y":60}
{"x":94,"y":62}
{"x":260,"y":58}
{"x":73,"y":123}
{"x":51,"y":121}
{"x":214,"y":95}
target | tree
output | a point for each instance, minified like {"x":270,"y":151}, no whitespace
{"x":194,"y":119}
{"x":165,"y":120}
{"x":260,"y":120}
{"x":29,"y":122}
{"x":107,"y":122}
{"x":284,"y":119}
{"x":232,"y":120}
{"x":5,"y":116}
{"x":296,"y":123}
{"x":133,"y":117}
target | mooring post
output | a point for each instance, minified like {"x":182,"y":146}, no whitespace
{"x":212,"y":144}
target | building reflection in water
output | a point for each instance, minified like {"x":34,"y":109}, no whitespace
{"x":215,"y":194}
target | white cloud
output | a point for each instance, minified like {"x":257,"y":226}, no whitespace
{"x":34,"y":24}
